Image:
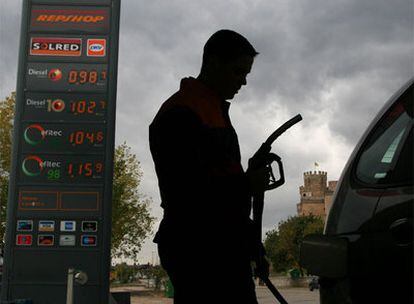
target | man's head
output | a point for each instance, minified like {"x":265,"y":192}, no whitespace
{"x":227,"y":59}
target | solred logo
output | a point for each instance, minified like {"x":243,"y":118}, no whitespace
{"x":55,"y":74}
{"x":45,"y":46}
{"x":96,"y":47}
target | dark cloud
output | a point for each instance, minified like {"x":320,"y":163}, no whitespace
{"x":335,"y":62}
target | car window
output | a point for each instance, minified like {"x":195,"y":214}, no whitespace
{"x":387,"y":155}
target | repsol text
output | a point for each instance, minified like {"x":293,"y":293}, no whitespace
{"x":70,"y":18}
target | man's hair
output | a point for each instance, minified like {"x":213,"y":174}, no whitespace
{"x":227,"y":45}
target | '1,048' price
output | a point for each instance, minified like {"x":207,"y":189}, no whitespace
{"x":83,"y":137}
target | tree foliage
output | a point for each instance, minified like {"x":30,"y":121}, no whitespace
{"x":124,"y":273}
{"x":6,"y":127}
{"x":283,"y":244}
{"x":131,"y":219}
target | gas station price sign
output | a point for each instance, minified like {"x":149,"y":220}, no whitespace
{"x":60,"y":190}
{"x":65,"y":107}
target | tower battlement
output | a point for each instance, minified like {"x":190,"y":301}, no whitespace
{"x":315,"y":193}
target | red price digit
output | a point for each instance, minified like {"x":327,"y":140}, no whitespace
{"x":91,"y":106}
{"x":99,"y":167}
{"x":73,"y":76}
{"x":88,"y":169}
{"x":99,"y":136}
{"x":93,"y":77}
{"x":83,"y":77}
{"x":90,"y":136}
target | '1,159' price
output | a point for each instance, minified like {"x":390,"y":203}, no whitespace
{"x":84,"y":169}
{"x":86,"y":77}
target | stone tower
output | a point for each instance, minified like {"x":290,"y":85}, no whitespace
{"x":315,"y":195}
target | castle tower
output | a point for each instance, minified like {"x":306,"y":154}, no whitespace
{"x":315,"y":195}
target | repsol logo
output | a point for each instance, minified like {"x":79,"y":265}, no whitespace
{"x":70,"y":18}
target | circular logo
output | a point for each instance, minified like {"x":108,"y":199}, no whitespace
{"x":32,"y":165}
{"x":55,"y":74}
{"x":96,"y":47}
{"x":34,"y":134}
{"x":58,"y":105}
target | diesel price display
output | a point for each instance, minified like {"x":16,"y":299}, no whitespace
{"x":65,"y":107}
{"x":70,"y":77}
{"x":85,"y":76}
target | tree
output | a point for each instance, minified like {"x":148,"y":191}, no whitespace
{"x":124,"y":273}
{"x":283,"y":244}
{"x":6,"y":127}
{"x":159,"y":275}
{"x":131,"y":219}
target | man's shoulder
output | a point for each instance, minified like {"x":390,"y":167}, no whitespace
{"x":193,"y":99}
{"x":174,"y":106}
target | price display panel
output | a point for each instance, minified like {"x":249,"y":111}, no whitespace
{"x":65,"y":107}
{"x":41,"y":168}
{"x":83,"y":201}
{"x":63,"y":138}
{"x":67,"y":77}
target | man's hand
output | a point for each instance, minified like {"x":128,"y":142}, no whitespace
{"x":258,"y":179}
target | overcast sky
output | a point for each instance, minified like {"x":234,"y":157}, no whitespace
{"x":336,"y":62}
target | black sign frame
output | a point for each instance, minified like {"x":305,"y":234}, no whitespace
{"x":22,"y":277}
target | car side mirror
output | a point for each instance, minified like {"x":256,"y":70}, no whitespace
{"x":324,"y":256}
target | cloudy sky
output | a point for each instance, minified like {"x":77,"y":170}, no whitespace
{"x":336,"y":62}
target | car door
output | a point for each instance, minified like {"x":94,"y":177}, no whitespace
{"x":386,"y":164}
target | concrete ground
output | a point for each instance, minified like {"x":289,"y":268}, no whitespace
{"x":293,"y":295}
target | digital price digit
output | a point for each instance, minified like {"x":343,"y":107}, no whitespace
{"x":83,"y":137}
{"x":85,"y":169}
{"x":84,"y":76}
{"x":86,"y":107}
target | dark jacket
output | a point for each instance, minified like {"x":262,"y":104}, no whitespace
{"x":196,"y":153}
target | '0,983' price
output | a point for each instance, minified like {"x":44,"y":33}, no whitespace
{"x":86,"y":77}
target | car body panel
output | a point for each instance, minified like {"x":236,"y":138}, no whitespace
{"x":376,"y":219}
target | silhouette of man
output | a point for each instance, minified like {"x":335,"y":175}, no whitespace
{"x":205,"y":239}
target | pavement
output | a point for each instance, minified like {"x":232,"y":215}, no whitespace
{"x":140,"y":294}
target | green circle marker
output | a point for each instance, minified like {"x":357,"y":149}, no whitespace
{"x":27,"y":138}
{"x":32,"y":158}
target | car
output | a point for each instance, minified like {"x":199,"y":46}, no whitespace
{"x":365,"y":254}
